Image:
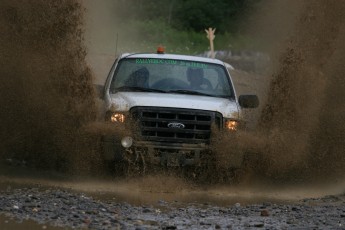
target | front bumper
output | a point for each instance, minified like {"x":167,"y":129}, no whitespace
{"x":170,"y":154}
{"x":158,"y":153}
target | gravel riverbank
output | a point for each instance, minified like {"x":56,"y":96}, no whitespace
{"x":68,"y":209}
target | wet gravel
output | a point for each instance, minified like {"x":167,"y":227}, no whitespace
{"x":68,"y":209}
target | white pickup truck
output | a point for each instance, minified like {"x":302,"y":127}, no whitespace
{"x":170,"y":106}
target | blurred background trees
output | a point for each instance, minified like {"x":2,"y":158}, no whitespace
{"x":195,"y":15}
{"x":177,"y":24}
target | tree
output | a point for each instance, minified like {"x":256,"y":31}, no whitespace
{"x":200,"y":14}
{"x":195,"y":15}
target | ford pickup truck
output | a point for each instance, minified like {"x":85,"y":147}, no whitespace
{"x":171,"y":107}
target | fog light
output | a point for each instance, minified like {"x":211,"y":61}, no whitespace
{"x":127,"y":142}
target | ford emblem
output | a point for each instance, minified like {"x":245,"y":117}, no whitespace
{"x":176,"y":125}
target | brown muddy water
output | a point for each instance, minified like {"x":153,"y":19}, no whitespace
{"x":7,"y":223}
{"x":152,"y":190}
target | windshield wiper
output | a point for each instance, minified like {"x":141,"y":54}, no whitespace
{"x":179,"y":91}
{"x":136,"y":89}
{"x":191,"y":92}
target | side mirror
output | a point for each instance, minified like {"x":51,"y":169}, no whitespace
{"x":248,"y":101}
{"x":99,"y":90}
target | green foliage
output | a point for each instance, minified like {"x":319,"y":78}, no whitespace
{"x":154,"y":33}
{"x":200,"y":14}
{"x":142,"y":25}
{"x":194,"y":15}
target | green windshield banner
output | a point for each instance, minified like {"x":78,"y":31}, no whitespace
{"x":170,"y":62}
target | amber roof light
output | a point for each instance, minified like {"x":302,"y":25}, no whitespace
{"x":160,"y":50}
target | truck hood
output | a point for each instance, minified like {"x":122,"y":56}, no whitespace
{"x":124,"y":101}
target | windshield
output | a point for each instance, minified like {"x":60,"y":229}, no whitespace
{"x":171,"y":76}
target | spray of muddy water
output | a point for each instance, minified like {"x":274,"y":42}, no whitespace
{"x":301,"y":127}
{"x":303,"y":119}
{"x":47,"y":98}
{"x":46,"y":86}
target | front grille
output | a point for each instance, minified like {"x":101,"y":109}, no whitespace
{"x":175,"y":125}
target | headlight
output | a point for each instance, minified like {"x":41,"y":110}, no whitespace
{"x":231,"y":125}
{"x":115,"y":117}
